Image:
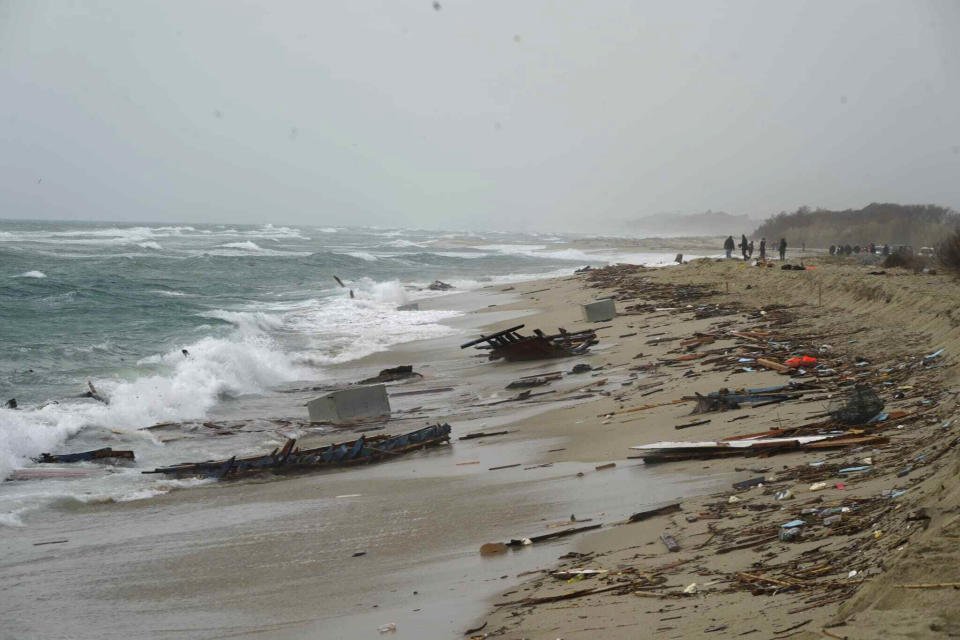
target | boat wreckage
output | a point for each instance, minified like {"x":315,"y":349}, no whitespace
{"x":84,"y":456}
{"x":757,"y":445}
{"x":512,"y":346}
{"x":290,"y":459}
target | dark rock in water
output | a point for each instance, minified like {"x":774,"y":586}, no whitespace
{"x":581,"y":368}
{"x":403,"y":372}
{"x":584,"y":269}
{"x":11,"y":403}
{"x":437,"y":285}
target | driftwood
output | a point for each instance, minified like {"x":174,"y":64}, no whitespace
{"x":97,"y":454}
{"x":658,"y":511}
{"x":551,"y":536}
{"x":482,"y":434}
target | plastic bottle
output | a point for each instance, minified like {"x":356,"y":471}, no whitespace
{"x":789,"y":535}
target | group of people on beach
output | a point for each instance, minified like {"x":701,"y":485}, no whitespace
{"x":746,"y":247}
{"x":846,"y":249}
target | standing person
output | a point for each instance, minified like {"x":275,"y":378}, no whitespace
{"x":763,"y":249}
{"x":783,"y":249}
{"x":728,"y":245}
{"x":743,"y":246}
{"x":750,"y":249}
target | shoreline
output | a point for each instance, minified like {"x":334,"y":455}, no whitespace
{"x":146,"y":556}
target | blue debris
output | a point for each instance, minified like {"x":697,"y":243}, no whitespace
{"x":935,"y":354}
{"x":792,"y":524}
{"x":854,"y":469}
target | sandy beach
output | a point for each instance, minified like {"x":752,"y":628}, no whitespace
{"x":885,"y":571}
{"x":275,"y":557}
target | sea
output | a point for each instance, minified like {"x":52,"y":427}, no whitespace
{"x":170,"y":322}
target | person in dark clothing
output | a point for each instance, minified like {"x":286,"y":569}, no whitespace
{"x":750,"y":249}
{"x":763,"y":249}
{"x":728,"y":245}
{"x":743,"y":246}
{"x":783,"y":249}
{"x":833,"y":249}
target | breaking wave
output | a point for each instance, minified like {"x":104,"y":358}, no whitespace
{"x":32,"y":274}
{"x":248,"y":361}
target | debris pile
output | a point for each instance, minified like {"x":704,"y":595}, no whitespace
{"x":512,"y":346}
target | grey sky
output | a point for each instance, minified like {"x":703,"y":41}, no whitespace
{"x":491,"y":112}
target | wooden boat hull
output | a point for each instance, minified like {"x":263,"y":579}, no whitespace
{"x":289,"y":459}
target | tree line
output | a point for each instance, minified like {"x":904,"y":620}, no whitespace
{"x":882,"y":223}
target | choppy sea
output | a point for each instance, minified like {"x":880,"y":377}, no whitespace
{"x":255,"y":307}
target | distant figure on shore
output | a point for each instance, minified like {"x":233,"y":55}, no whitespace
{"x":783,"y":249}
{"x":763,"y":249}
{"x":750,"y":249}
{"x":728,"y":245}
{"x":833,"y":249}
{"x":743,"y":246}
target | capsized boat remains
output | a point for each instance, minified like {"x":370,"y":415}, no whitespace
{"x":291,"y":459}
{"x":513,"y":346}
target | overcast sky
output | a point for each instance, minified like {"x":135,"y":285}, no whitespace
{"x":482,"y":112}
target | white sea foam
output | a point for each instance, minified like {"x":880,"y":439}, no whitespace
{"x":512,"y":249}
{"x":468,"y":284}
{"x":363,"y":255}
{"x":341,"y":329}
{"x":582,"y":256}
{"x":400,"y":242}
{"x":32,"y":274}
{"x":328,"y":230}
{"x":461,"y":254}
{"x":170,"y":292}
{"x":270,"y":231}
{"x":150,"y":244}
{"x":246,"y":245}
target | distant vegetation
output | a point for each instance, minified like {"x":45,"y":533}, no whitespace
{"x":949,"y":252}
{"x":918,"y":225}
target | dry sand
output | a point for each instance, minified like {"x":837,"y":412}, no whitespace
{"x":884,"y":319}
